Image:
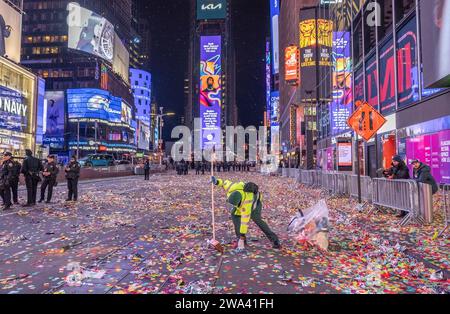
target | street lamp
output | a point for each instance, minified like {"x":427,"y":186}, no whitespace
{"x":159,"y":123}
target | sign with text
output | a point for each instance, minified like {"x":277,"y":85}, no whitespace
{"x":211,"y":9}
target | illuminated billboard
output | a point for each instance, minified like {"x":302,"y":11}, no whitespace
{"x":211,"y":90}
{"x":121,"y":60}
{"x":435,"y":26}
{"x":90,"y":32}
{"x":275,"y":17}
{"x":92,"y":105}
{"x":292,"y":65}
{"x":10,"y":32}
{"x":143,"y":134}
{"x":308,"y":42}
{"x":275,"y":108}
{"x":268,"y":81}
{"x":211,"y":9}
{"x":14,"y":111}
{"x":325,"y":41}
{"x":342,"y":104}
{"x":54,"y":119}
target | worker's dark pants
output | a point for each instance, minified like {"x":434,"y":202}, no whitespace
{"x":147,"y":174}
{"x":32,"y":185}
{"x":257,"y":219}
{"x":6,"y":195}
{"x":72,"y":186}
{"x":47,"y":183}
{"x":14,"y":189}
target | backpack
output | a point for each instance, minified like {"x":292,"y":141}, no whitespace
{"x":251,"y":187}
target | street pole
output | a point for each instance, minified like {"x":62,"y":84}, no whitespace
{"x":78,"y":139}
{"x":358,"y":169}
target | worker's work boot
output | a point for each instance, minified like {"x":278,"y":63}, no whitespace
{"x":277,"y":245}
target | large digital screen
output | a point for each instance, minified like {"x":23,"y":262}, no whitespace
{"x":408,"y":74}
{"x":275,"y":17}
{"x":435,"y":26}
{"x":433,"y":150}
{"x":15,"y":112}
{"x":308,"y":43}
{"x":325,"y":41}
{"x":342,"y":104}
{"x":387,"y":78}
{"x":211,"y":90}
{"x":268,"y":81}
{"x":211,"y":9}
{"x":54,"y":125}
{"x":344,"y":154}
{"x":143,"y":135}
{"x":95,"y":104}
{"x":10,"y":32}
{"x":275,"y":108}
{"x":121,"y":60}
{"x":90,"y":32}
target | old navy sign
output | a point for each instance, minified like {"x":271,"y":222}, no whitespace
{"x":12,"y":102}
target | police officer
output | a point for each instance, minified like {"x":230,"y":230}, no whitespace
{"x":31,"y":168}
{"x":6,"y":176}
{"x":49,"y":173}
{"x":15,"y":181}
{"x":72,"y":175}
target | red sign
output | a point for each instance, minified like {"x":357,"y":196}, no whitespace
{"x":366,"y":121}
{"x":292,"y":65}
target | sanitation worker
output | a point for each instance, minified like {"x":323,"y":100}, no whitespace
{"x":244,"y":203}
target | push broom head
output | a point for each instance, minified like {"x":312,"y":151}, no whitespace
{"x":217,"y":246}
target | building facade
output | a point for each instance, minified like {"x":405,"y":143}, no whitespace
{"x":54,"y":46}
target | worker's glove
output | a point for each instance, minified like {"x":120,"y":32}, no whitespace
{"x":214,"y":181}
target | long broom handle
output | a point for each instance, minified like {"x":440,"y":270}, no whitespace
{"x":212,"y":199}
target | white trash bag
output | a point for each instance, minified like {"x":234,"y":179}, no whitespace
{"x":311,"y":225}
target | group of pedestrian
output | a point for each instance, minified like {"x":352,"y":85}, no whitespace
{"x":34,"y":171}
{"x":421,"y":174}
{"x":202,"y":167}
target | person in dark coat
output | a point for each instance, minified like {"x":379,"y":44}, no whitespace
{"x":14,"y":180}
{"x":399,"y":170}
{"x":147,"y":170}
{"x":7,"y":172}
{"x":72,"y":176}
{"x":31,"y":168}
{"x":422,"y":174}
{"x":50,"y":173}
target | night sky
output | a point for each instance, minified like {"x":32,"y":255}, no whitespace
{"x":169,"y":22}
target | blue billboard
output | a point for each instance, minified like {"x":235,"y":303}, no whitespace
{"x":275,"y":16}
{"x":15,"y":114}
{"x":93,"y":104}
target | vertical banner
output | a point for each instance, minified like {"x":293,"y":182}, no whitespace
{"x":275,"y":15}
{"x":211,"y":90}
{"x":268,"y":81}
{"x":292,"y":65}
{"x":342,"y":104}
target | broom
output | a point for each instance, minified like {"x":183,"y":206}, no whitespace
{"x":214,"y":243}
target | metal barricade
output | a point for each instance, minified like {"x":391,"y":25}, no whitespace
{"x":341,"y":185}
{"x":284,"y":172}
{"x":317,"y":179}
{"x":446,"y":207}
{"x":400,"y":195}
{"x":329,"y":182}
{"x":366,"y":187}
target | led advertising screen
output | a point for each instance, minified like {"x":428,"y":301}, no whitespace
{"x":292,"y":62}
{"x":10,"y":32}
{"x":93,"y":104}
{"x":275,"y":108}
{"x":325,"y":41}
{"x":211,"y":90}
{"x":126,"y":116}
{"x":342,"y":104}
{"x":387,"y":77}
{"x":54,"y":124}
{"x":121,"y":60}
{"x":372,"y":82}
{"x":211,"y":9}
{"x":408,"y":78}
{"x":433,"y":150}
{"x":275,"y":17}
{"x":268,"y":81}
{"x":435,"y":27}
{"x":143,"y":135}
{"x":90,"y":32}
{"x":308,"y":43}
{"x":344,"y":154}
{"x":15,"y":112}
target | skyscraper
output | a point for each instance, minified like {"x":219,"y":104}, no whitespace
{"x":210,"y":84}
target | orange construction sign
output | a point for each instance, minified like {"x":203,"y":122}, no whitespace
{"x":366,"y":121}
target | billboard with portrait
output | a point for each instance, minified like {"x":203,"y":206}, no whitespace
{"x":93,"y":104}
{"x":211,"y":90}
{"x":126,"y":114}
{"x":143,"y":134}
{"x":435,"y":28}
{"x":90,"y":32}
{"x":211,"y":9}
{"x":54,"y":124}
{"x":10,"y":32}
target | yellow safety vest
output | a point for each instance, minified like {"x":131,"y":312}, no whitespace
{"x":245,"y":208}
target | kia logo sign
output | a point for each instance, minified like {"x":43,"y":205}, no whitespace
{"x":211,"y":9}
